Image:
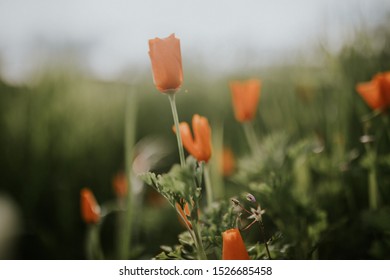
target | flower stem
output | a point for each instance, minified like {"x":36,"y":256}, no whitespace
{"x":373,"y":192}
{"x":176,"y":121}
{"x":371,"y":150}
{"x":385,"y":119}
{"x":373,"y":188}
{"x":93,"y":247}
{"x":251,"y":137}
{"x":124,"y":234}
{"x":207,"y":182}
{"x":265,"y":240}
{"x":198,"y":239}
{"x":215,"y":164}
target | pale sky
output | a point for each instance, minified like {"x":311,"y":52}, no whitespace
{"x":111,"y":35}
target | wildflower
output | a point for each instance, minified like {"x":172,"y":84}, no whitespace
{"x":251,"y":198}
{"x":228,"y":162}
{"x":198,"y":146}
{"x":256,"y":214}
{"x":119,"y":183}
{"x":165,"y":56}
{"x":90,"y":209}
{"x":376,"y":93}
{"x":245,"y":97}
{"x":233,"y":247}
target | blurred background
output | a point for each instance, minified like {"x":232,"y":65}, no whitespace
{"x":66,"y":68}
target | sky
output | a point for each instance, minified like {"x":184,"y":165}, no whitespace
{"x":108,"y":37}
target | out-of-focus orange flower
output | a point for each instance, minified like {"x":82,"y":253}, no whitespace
{"x":376,"y":93}
{"x":245,"y":96}
{"x":90,"y":209}
{"x":119,"y":183}
{"x":198,"y":146}
{"x":228,"y":162}
{"x":233,"y":247}
{"x":184,"y":213}
{"x":165,"y":56}
{"x":154,"y":199}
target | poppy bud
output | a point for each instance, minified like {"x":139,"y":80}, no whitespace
{"x":90,"y":209}
{"x":165,"y":56}
{"x":245,"y":96}
{"x":233,"y":247}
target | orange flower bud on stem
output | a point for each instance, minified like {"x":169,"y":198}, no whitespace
{"x":90,"y":209}
{"x":245,"y":97}
{"x":165,"y":56}
{"x":233,"y":247}
{"x":376,"y":94}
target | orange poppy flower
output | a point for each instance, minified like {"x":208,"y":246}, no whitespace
{"x":90,"y":209}
{"x":228,"y":162}
{"x":165,"y":56}
{"x":119,"y":183}
{"x":376,"y":93}
{"x":245,"y":96}
{"x":233,"y":247}
{"x":198,"y":146}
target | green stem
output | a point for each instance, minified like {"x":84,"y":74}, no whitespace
{"x":93,"y":247}
{"x":373,"y":188}
{"x":265,"y":240}
{"x":124,"y":238}
{"x":176,"y":121}
{"x":207,"y":182}
{"x":198,"y":241}
{"x":251,"y":137}
{"x":371,"y":150}
{"x":387,"y":126}
{"x":373,"y":192}
{"x":215,"y":164}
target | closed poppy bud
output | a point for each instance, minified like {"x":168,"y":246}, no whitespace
{"x":90,"y":209}
{"x":228,"y":163}
{"x":233,"y":247}
{"x":245,"y":96}
{"x":165,"y":56}
{"x":376,"y":93}
{"x":198,"y":146}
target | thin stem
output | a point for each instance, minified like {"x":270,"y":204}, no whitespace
{"x":207,"y":182}
{"x":385,"y":119}
{"x":373,"y":192}
{"x":93,"y":246}
{"x":215,"y":164}
{"x":198,"y":239}
{"x":265,"y":240}
{"x":373,"y":188}
{"x":176,"y":121}
{"x":125,"y":233}
{"x":371,"y":150}
{"x":251,"y":137}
